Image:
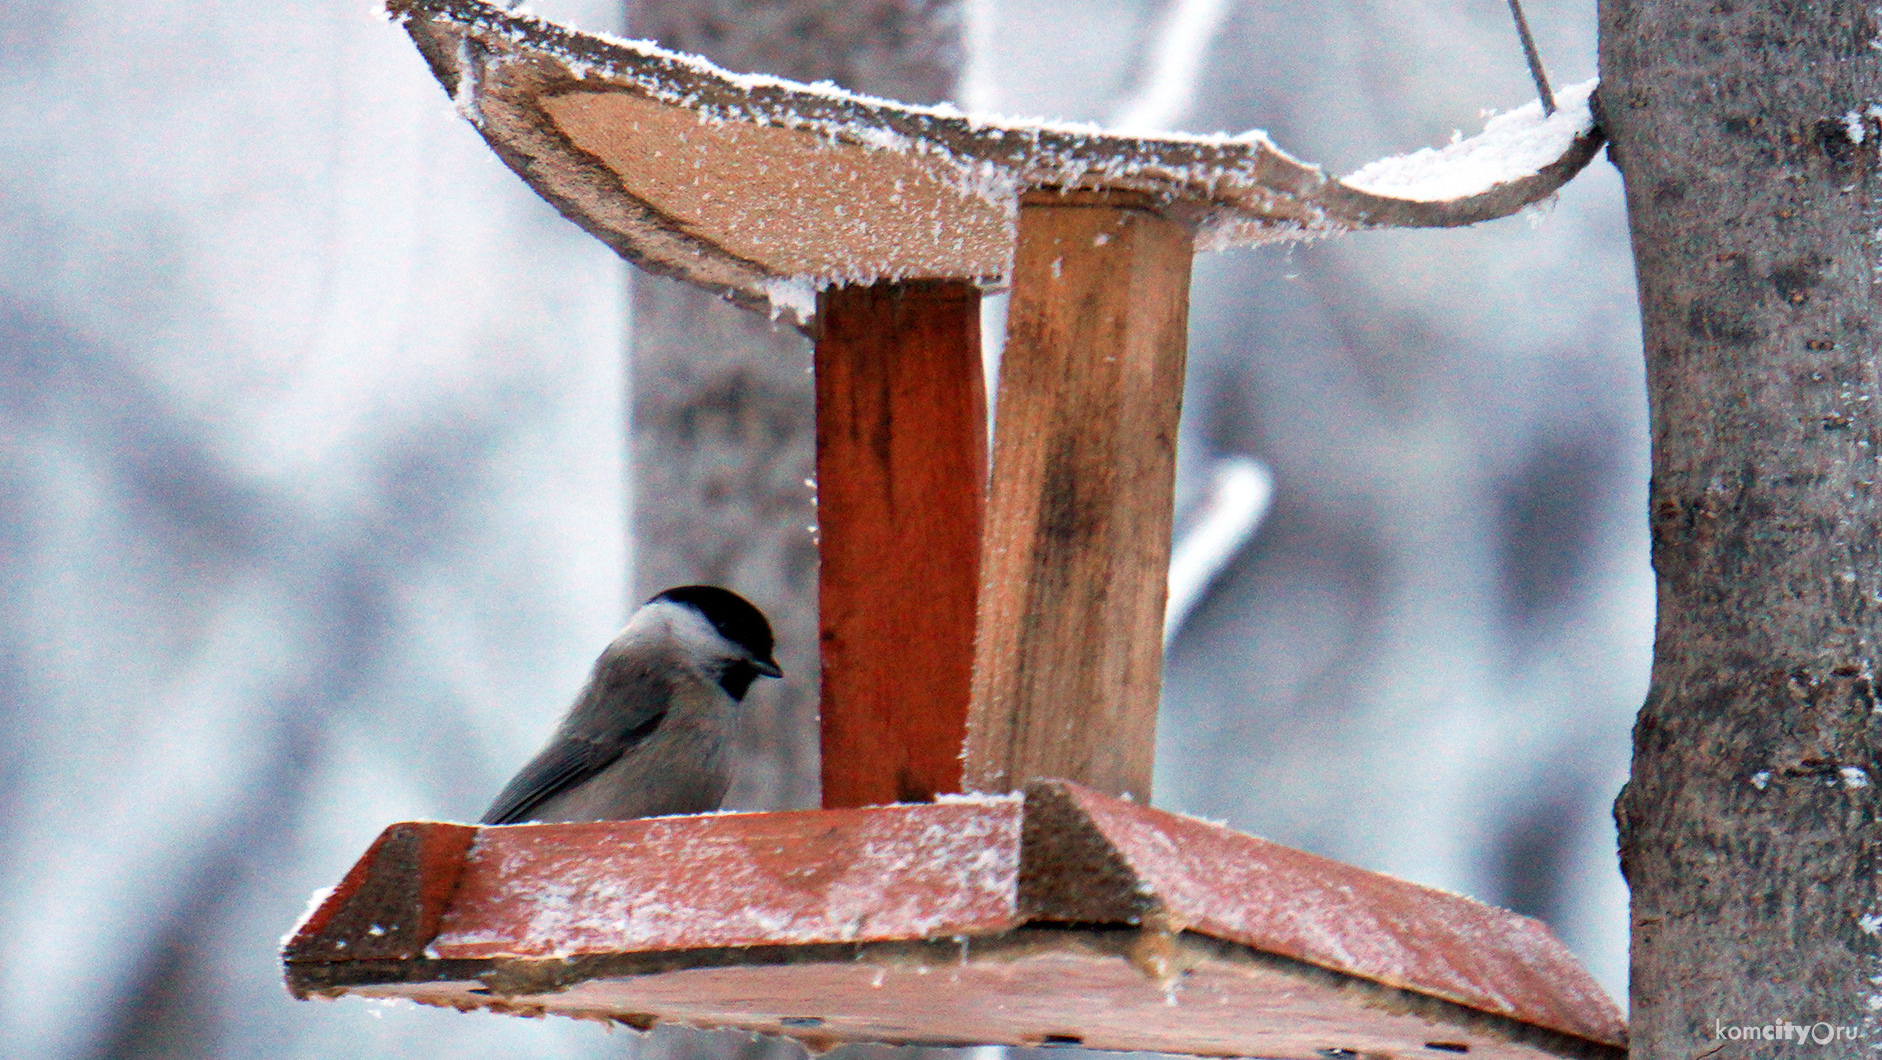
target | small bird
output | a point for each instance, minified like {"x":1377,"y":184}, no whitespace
{"x":646,"y":736}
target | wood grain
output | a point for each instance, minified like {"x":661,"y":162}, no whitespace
{"x":1065,"y":917}
{"x":750,"y":879}
{"x":1076,"y":554}
{"x":389,"y":907}
{"x":901,"y":473}
{"x":553,"y":105}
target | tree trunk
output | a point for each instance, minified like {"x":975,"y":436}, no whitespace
{"x":722,"y":427}
{"x":1750,"y":160}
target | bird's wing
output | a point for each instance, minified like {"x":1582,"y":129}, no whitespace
{"x":583,"y":747}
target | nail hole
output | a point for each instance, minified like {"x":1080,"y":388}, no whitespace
{"x":801,"y":1021}
{"x":1448,"y":1047}
{"x":1063,"y":1039}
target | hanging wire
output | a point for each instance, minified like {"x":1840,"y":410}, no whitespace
{"x":1535,"y":60}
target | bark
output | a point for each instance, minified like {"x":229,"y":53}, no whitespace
{"x":722,"y":425}
{"x":1747,"y":831}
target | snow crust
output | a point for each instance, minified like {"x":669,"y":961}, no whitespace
{"x":977,"y":798}
{"x":762,"y":86}
{"x":795,"y":295}
{"x":314,"y":901}
{"x":993,"y":157}
{"x":1511,"y":146}
{"x":1029,"y":151}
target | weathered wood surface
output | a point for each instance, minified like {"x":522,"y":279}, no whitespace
{"x":722,"y":420}
{"x":901,"y":478}
{"x":1089,"y":857}
{"x":1033,"y":987}
{"x":393,"y":902}
{"x":687,"y":883}
{"x":1074,"y":569}
{"x":1070,"y":917}
{"x":735,"y":184}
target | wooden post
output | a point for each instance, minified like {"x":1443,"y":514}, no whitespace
{"x":901,"y":474}
{"x":1075,"y":561}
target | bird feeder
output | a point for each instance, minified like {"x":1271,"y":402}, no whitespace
{"x":984,"y":869}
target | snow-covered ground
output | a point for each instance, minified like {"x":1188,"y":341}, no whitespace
{"x":311,"y":431}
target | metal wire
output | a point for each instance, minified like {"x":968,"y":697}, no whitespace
{"x":1535,"y":60}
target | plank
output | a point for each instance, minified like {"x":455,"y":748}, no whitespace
{"x":1201,"y":877}
{"x":390,"y":906}
{"x":1076,"y":552}
{"x":738,"y":186}
{"x":1063,"y":917}
{"x":685,"y":883}
{"x":901,"y":473}
{"x":1029,"y":988}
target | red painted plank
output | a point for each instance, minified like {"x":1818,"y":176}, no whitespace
{"x":392,"y":901}
{"x":1061,"y":988}
{"x":901,"y":474}
{"x":1331,"y":951}
{"x":1231,"y":886}
{"x":679,"y":883}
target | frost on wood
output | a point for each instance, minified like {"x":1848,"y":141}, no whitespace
{"x":760,"y":189}
{"x":314,"y":901}
{"x":1065,"y":915}
{"x":1209,"y":879}
{"x":766,"y":880}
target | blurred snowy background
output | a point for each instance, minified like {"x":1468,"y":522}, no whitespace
{"x":312,"y":440}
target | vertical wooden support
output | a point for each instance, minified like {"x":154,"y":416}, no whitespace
{"x":1075,"y":562}
{"x":901,"y":474}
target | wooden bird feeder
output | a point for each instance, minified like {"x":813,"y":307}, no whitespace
{"x":1056,"y":907}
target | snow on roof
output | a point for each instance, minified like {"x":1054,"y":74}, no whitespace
{"x":1511,"y":146}
{"x":765,"y":190}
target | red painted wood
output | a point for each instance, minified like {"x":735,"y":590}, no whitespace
{"x":1056,"y":988}
{"x":391,"y":904}
{"x":901,"y":473}
{"x":1226,"y":885}
{"x":1240,"y":947}
{"x":680,"y":883}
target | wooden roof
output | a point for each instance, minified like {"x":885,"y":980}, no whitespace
{"x":763,"y":189}
{"x":1064,"y":917}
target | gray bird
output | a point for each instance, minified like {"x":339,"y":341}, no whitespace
{"x":646,"y":736}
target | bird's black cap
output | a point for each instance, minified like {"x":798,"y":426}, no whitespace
{"x":737,"y":621}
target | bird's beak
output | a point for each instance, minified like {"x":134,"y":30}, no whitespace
{"x":766,"y":667}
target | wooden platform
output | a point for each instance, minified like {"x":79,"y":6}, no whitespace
{"x":757,"y":187}
{"x":1063,"y":917}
